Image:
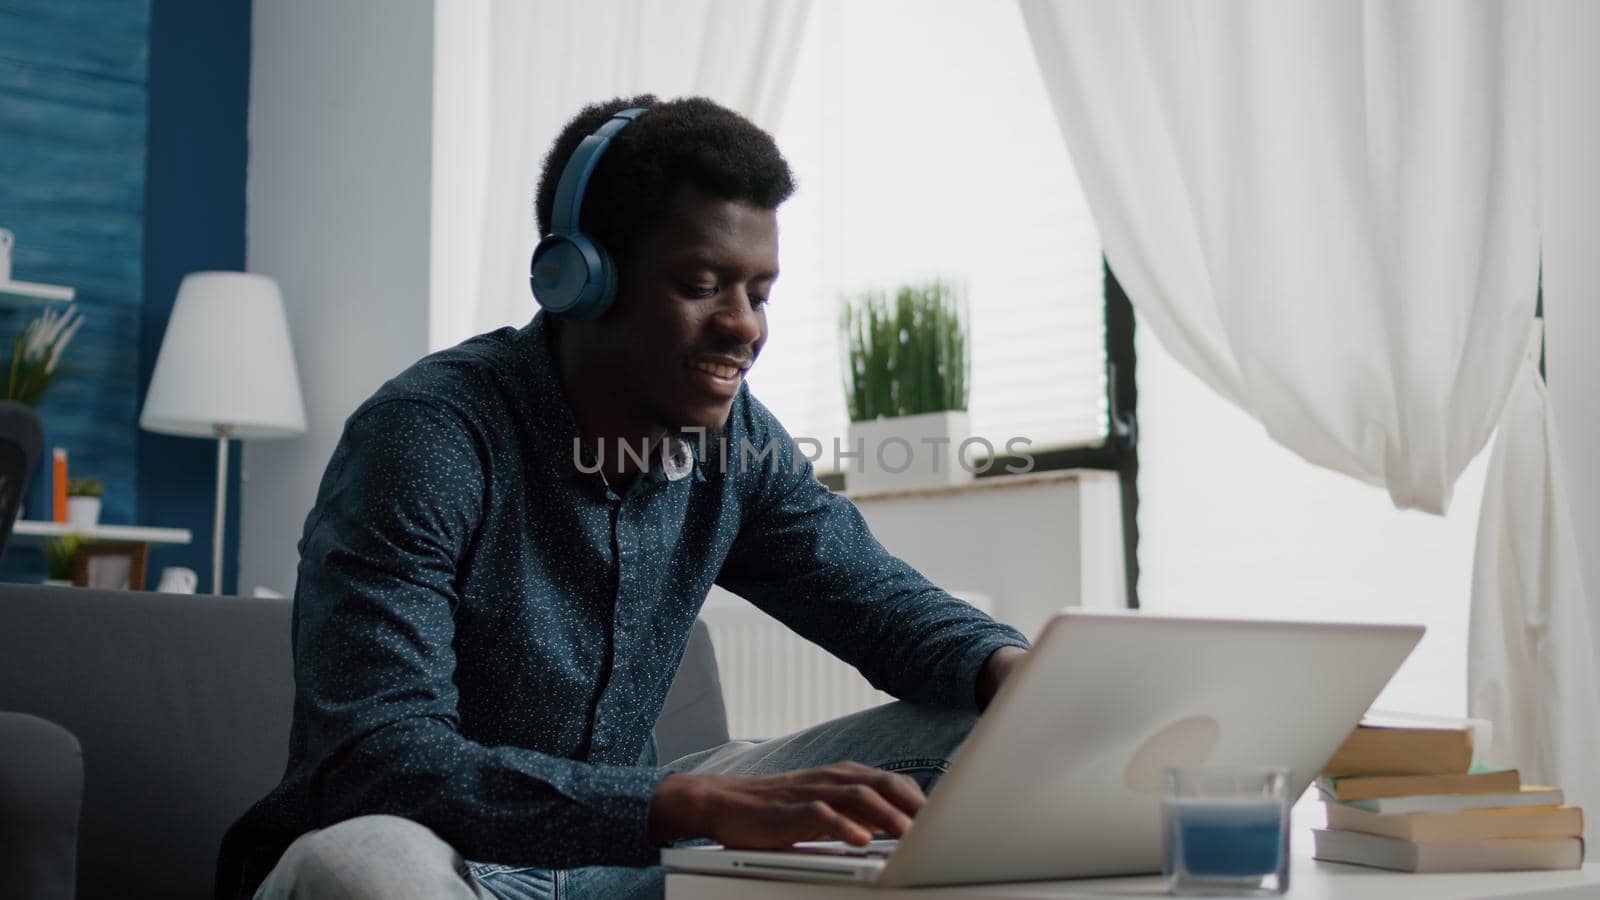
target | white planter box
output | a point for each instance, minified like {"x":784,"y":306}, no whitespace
{"x":906,"y":453}
{"x":83,"y":512}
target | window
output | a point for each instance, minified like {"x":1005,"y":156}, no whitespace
{"x":923,"y":144}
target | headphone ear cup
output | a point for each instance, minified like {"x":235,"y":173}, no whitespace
{"x":572,"y":277}
{"x":607,"y":287}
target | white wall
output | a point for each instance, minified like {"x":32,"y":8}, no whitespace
{"x":461,"y":91}
{"x":341,"y":103}
{"x":1570,"y":32}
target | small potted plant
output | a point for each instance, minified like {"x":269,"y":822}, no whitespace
{"x":60,"y":559}
{"x":36,"y":353}
{"x":906,"y":386}
{"x":84,"y":496}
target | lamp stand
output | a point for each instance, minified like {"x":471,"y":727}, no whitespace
{"x":224,"y":432}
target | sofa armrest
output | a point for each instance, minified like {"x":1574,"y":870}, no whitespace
{"x":41,"y":793}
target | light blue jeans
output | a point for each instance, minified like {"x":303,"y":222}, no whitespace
{"x":353,"y":859}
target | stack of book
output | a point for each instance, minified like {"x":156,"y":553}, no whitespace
{"x":1408,"y":797}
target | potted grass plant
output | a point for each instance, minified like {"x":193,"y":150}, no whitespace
{"x":84,"y":496}
{"x":907,"y":365}
{"x":60,"y":559}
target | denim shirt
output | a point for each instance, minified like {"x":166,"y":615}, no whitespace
{"x":485,"y":629}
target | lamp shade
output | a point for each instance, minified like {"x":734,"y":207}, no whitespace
{"x":226,"y":362}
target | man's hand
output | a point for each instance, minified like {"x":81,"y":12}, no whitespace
{"x":845,"y":801}
{"x":996,"y":669}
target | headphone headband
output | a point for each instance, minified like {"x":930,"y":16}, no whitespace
{"x":575,"y":176}
{"x":572,"y":276}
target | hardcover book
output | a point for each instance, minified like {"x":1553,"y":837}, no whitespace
{"x":1472,"y":824}
{"x":1527,"y":796}
{"x":1493,"y":855}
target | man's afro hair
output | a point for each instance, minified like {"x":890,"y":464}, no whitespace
{"x":687,"y":141}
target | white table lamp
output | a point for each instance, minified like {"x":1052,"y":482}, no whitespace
{"x":226,"y":370}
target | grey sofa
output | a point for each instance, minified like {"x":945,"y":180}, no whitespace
{"x":180,"y":707}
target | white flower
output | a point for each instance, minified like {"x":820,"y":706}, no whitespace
{"x":49,"y":334}
{"x":38,"y":335}
{"x":65,"y":338}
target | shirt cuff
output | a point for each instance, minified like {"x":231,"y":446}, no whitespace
{"x":977,"y":654}
{"x":621,"y":795}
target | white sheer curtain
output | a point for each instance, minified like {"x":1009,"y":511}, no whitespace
{"x":1532,"y":669}
{"x":1329,"y":212}
{"x":550,"y":57}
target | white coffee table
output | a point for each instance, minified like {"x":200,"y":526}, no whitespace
{"x":1309,"y":879}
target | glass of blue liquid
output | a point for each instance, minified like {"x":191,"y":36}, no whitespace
{"x":1226,"y":832}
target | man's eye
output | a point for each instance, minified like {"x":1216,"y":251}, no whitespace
{"x":697,"y":291}
{"x":758,"y":302}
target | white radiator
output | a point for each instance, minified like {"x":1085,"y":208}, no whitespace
{"x":775,"y":682}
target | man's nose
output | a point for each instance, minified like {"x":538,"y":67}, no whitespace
{"x":738,"y":318}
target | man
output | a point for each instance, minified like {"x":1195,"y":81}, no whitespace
{"x":510,"y":546}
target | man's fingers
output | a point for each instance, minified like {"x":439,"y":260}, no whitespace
{"x":845,"y":801}
{"x":866,"y":805}
{"x":900,"y":790}
{"x":832,"y":823}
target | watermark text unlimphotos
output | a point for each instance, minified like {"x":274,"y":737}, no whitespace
{"x":892,"y":454}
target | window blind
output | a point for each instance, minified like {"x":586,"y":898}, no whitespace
{"x":924,"y":146}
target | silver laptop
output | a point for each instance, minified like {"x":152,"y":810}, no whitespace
{"x":1061,"y":776}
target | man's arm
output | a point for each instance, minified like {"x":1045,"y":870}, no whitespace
{"x":847,"y":802}
{"x":377,"y":721}
{"x":805,"y":556}
{"x":996,"y":669}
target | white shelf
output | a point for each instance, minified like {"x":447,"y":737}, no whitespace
{"x":28,"y":290}
{"x":41,"y":531}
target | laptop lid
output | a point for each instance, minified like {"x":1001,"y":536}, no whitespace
{"x":1062,"y":775}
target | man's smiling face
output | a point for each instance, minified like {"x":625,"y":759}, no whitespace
{"x":690,"y":317}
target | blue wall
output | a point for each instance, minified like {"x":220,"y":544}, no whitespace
{"x":122,"y":164}
{"x":72,"y":123}
{"x":194,"y":220}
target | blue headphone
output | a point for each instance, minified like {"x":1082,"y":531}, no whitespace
{"x":572,"y":276}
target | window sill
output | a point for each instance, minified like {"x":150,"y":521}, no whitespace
{"x":1000,"y":470}
{"x":1007,"y":482}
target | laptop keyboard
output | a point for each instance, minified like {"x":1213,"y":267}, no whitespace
{"x":878,"y":849}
